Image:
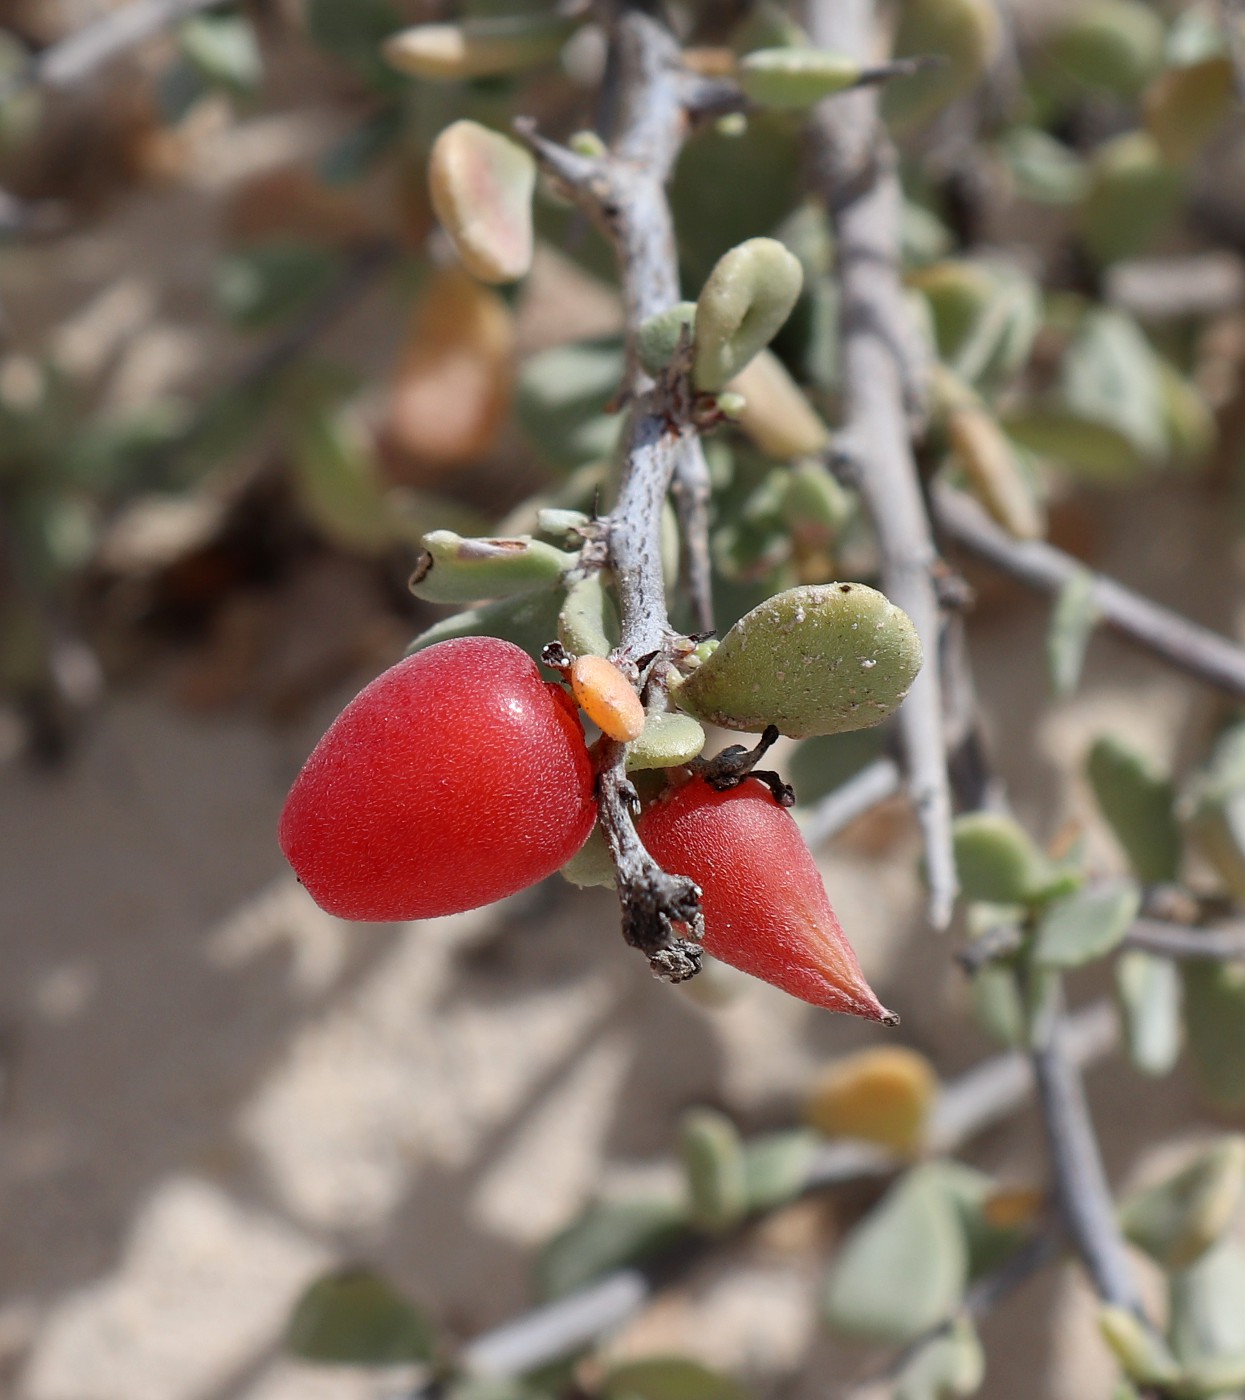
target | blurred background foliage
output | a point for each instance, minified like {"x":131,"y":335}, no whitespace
{"x":304,"y":374}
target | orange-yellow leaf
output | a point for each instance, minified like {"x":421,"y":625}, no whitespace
{"x":883,"y":1095}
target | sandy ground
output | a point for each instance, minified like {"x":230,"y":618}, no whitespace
{"x":212,"y":1090}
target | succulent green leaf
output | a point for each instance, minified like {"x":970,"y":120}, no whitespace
{"x":776,"y":415}
{"x":355,"y":1317}
{"x":591,"y":864}
{"x":1044,"y":169}
{"x":903,"y":1268}
{"x":743,"y":304}
{"x":996,"y":860}
{"x":337,"y":483}
{"x":1073,"y":618}
{"x":997,"y":1007}
{"x":1089,"y":450}
{"x":1139,"y":803}
{"x":814,"y":503}
{"x":529,"y":620}
{"x":776,"y":1167}
{"x":949,"y":1365}
{"x":1087,"y":924}
{"x":1208,"y":1305}
{"x":668,"y":740}
{"x":964,"y":33}
{"x":1113,"y":46}
{"x":1142,"y":1353}
{"x":1134,"y":195}
{"x":1214,"y":1376}
{"x":1216,"y":803}
{"x":794,"y":78}
{"x":478,"y":48}
{"x":223,"y":51}
{"x":713,"y":1164}
{"x":588,"y":622}
{"x":1215,"y":1028}
{"x":658,"y":338}
{"x":1187,"y":416}
{"x":819,"y":659}
{"x":609,"y":1235}
{"x":669,"y":1378}
{"x":1179,"y":1219}
{"x":458,"y":570}
{"x":1149,"y":992}
{"x":481,"y":185}
{"x":1110,"y":375}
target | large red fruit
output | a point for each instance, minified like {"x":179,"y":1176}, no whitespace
{"x":457,"y":777}
{"x":765,"y":907}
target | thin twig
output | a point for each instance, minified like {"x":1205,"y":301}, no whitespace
{"x":977,"y":1101}
{"x":65,"y":64}
{"x":854,"y":175}
{"x":1183,"y":644}
{"x":1165,"y":940}
{"x":1080,"y":1179}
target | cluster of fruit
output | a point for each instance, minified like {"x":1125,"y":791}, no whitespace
{"x":459,"y":776}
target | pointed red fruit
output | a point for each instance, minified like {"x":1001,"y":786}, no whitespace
{"x":456,"y":778}
{"x":765,"y":907}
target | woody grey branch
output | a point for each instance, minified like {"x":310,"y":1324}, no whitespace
{"x":852,"y":172}
{"x":623,"y":192}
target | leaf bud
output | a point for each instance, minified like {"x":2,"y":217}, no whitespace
{"x":658,"y":338}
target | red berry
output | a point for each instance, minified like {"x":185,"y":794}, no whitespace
{"x":765,"y":907}
{"x":456,"y":778}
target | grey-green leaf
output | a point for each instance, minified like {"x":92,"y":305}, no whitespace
{"x":355,"y":1317}
{"x":996,"y":861}
{"x":529,"y":621}
{"x":667,"y":741}
{"x":669,"y":1378}
{"x":776,"y":1167}
{"x":1073,"y":618}
{"x":1215,"y":1027}
{"x":1139,"y":802}
{"x":1179,"y":1219}
{"x":458,"y":570}
{"x":818,"y":659}
{"x":795,"y":78}
{"x":713,"y":1165}
{"x":1208,"y":1304}
{"x":609,"y":1235}
{"x":951,"y":1364}
{"x":1149,"y":991}
{"x":903,"y":1269}
{"x":1087,"y":924}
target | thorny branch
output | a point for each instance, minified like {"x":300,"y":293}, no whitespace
{"x":978,"y":1100}
{"x":623,"y":192}
{"x":853,"y":174}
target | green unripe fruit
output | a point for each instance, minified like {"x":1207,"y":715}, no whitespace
{"x":819,"y":659}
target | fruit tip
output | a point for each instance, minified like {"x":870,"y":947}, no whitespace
{"x":889,"y":1018}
